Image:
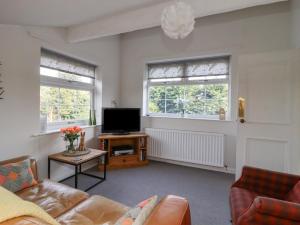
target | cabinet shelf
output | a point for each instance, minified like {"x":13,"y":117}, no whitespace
{"x":137,"y":140}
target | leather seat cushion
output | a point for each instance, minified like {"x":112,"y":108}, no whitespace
{"x":95,"y":210}
{"x":54,"y":198}
{"x":24,"y":220}
{"x":240,"y":200}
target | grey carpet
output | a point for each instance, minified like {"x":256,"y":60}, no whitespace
{"x":207,"y":191}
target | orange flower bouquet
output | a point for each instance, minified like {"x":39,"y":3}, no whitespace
{"x":71,"y":134}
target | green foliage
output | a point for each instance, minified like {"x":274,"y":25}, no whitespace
{"x":188,"y":99}
{"x":61,"y":104}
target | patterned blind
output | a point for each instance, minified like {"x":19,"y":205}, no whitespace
{"x":56,"y":61}
{"x":190,"y":68}
{"x":208,"y":67}
{"x":170,"y":70}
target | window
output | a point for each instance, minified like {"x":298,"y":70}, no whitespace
{"x":196,"y":88}
{"x":66,"y":91}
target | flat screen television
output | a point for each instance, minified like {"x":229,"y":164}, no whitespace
{"x":121,"y":120}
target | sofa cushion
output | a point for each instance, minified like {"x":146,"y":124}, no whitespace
{"x":54,"y":198}
{"x":17,"y":176}
{"x":138,"y":214}
{"x":294,"y":194}
{"x":240,"y":200}
{"x":24,"y":220}
{"x":95,"y":210}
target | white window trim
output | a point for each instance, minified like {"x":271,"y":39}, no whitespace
{"x":62,"y":83}
{"x":185,"y":81}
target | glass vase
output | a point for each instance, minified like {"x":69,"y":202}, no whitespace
{"x":71,"y":145}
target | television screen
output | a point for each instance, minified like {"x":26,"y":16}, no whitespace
{"x":121,"y":120}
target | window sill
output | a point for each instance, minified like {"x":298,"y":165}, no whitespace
{"x":58,"y":131}
{"x":188,"y":118}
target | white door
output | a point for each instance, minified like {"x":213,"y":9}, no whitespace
{"x":269,"y":83}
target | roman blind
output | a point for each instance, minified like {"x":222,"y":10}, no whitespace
{"x":214,"y":67}
{"x":63,"y":63}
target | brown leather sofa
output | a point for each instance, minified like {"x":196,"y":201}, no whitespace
{"x":74,"y":207}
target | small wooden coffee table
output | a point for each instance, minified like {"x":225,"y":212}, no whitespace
{"x":77,"y":162}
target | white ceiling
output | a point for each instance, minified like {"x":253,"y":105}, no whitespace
{"x":91,"y":19}
{"x":64,"y":13}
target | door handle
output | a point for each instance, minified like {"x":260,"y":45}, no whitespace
{"x":241,"y":109}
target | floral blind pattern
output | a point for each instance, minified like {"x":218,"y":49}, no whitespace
{"x":56,"y":61}
{"x":210,"y":67}
{"x":190,"y":68}
{"x":172,"y":70}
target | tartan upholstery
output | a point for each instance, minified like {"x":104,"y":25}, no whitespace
{"x":294,"y":194}
{"x":240,"y":200}
{"x":266,"y":183}
{"x":271,"y":211}
{"x":262,"y":197}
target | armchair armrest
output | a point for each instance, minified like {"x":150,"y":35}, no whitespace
{"x":265,"y":182}
{"x":271,"y":211}
{"x":277,"y":208}
{"x":171,"y":210}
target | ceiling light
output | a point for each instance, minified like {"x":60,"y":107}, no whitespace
{"x":178,"y":20}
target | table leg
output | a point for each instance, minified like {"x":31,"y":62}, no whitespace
{"x":104,"y":169}
{"x":49,"y":168}
{"x":80,"y":168}
{"x":76,"y":176}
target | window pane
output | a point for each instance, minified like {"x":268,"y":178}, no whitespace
{"x":175,"y":92}
{"x":49,"y":103}
{"x":166,"y":99}
{"x":157,"y":99}
{"x":194,"y":100}
{"x":173,"y":106}
{"x":66,"y":76}
{"x":206,"y":99}
{"x":62,"y":104}
{"x":216,"y":98}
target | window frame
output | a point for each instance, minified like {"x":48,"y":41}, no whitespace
{"x":185,"y":81}
{"x":68,"y":84}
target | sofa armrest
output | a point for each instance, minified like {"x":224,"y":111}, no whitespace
{"x":265,"y":182}
{"x":271,"y":211}
{"x":171,"y":210}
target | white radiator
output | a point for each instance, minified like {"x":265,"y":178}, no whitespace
{"x":187,"y":146}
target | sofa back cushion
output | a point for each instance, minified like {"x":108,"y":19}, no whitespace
{"x":266,"y":183}
{"x":17,"y":176}
{"x":294,"y":194}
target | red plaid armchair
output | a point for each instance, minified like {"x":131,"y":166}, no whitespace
{"x":262,"y":197}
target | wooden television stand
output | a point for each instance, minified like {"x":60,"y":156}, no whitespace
{"x":137,"y":140}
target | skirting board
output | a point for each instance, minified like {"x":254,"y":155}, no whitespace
{"x":221,"y":169}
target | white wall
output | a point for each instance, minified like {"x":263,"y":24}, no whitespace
{"x":254,"y":30}
{"x":295,"y":22}
{"x":19,"y":111}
